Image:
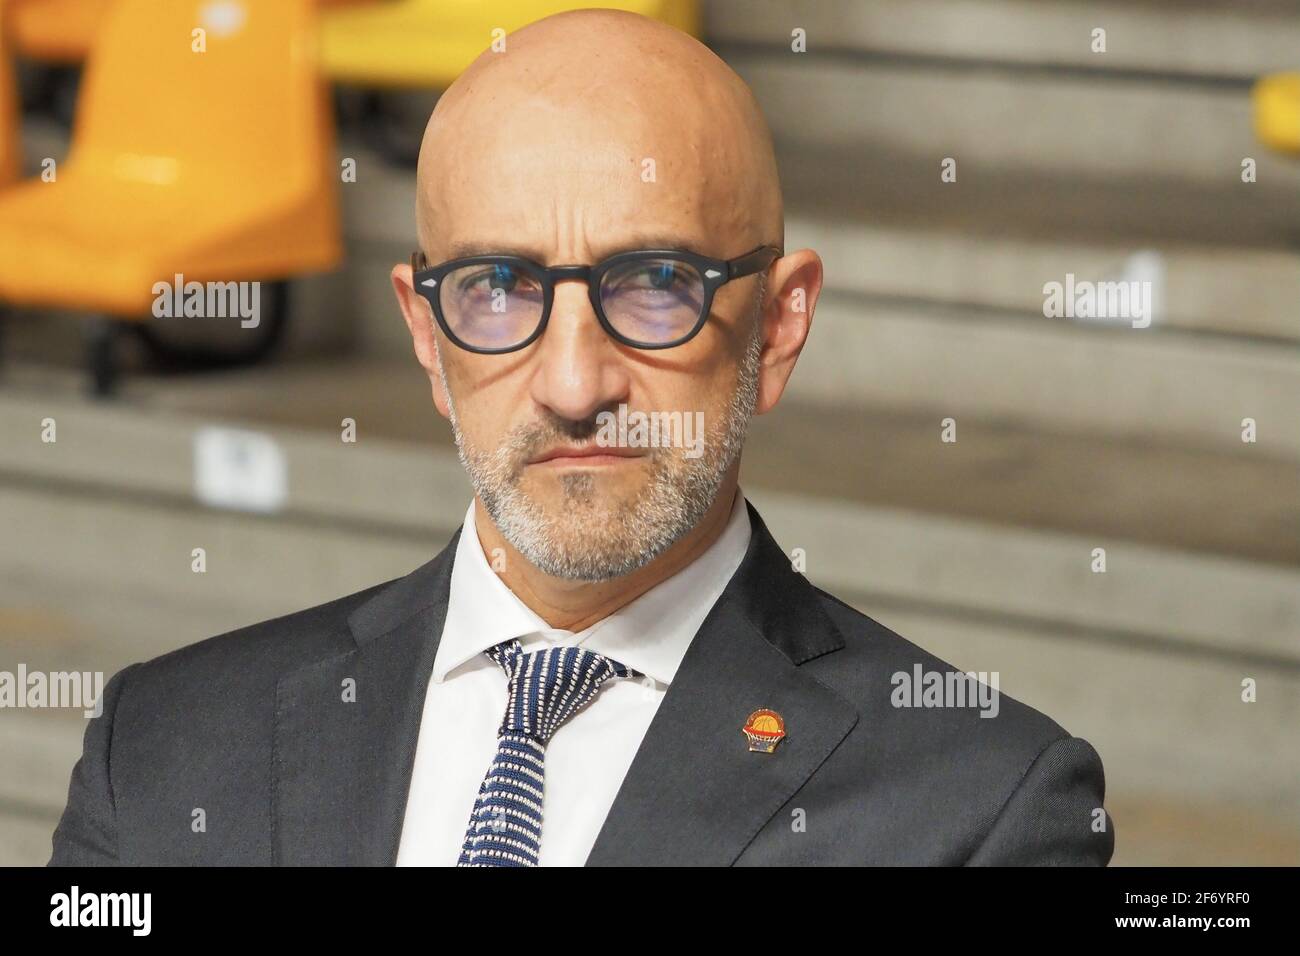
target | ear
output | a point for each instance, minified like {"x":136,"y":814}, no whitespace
{"x":423,"y":328}
{"x":794,"y":283}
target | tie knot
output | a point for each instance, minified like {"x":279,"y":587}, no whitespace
{"x":549,"y":686}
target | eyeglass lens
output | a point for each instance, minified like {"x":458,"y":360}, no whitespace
{"x":495,"y":305}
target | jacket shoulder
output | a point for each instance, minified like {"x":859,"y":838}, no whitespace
{"x":969,"y":774}
{"x":243,"y":660}
{"x":878,"y":671}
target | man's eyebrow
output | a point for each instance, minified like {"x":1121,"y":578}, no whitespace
{"x":463,"y":249}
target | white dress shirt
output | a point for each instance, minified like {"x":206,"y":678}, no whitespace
{"x":590,"y":754}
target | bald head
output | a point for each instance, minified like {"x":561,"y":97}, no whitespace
{"x":595,"y":131}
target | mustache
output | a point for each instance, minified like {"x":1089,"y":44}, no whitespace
{"x":527,"y":439}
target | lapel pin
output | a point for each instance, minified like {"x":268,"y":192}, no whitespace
{"x":765,"y":729}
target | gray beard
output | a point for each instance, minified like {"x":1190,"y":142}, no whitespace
{"x":594,"y":539}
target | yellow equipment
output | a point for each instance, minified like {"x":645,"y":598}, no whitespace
{"x":1277,"y":111}
{"x":55,"y":31}
{"x":428,"y":43}
{"x":203,"y":146}
{"x":10,"y":143}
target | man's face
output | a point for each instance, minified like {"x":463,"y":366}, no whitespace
{"x":525,"y":422}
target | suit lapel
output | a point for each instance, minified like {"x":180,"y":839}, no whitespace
{"x":342,"y":769}
{"x":695,"y":794}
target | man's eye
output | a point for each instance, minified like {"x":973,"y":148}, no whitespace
{"x":660,"y":275}
{"x":491,"y":279}
{"x":652,"y":277}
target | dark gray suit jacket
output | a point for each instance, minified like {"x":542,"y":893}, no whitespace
{"x":252,"y":729}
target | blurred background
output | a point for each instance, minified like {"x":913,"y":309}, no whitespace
{"x":1165,"y":150}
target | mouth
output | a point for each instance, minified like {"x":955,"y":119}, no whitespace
{"x":584,"y":456}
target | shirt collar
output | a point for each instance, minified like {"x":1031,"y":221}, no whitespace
{"x":650,"y":634}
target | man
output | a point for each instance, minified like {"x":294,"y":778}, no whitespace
{"x":612,"y":662}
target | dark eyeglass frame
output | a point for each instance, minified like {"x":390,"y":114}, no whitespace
{"x":715,"y":273}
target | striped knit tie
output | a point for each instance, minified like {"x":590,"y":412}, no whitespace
{"x":547,"y":687}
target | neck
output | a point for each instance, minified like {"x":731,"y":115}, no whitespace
{"x":576,"y":605}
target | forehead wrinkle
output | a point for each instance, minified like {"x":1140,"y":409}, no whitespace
{"x":466,"y":248}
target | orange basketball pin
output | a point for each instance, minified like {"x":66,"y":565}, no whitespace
{"x":765,"y":729}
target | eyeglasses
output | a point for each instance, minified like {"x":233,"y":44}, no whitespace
{"x":647,"y":299}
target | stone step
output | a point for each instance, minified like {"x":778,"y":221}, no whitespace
{"x":1186,"y":40}
{"x":1122,"y":128}
{"x":1052,"y":374}
{"x":24,"y":838}
{"x":1234,"y":293}
{"x":1237,"y":506}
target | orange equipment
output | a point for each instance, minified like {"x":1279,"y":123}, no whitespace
{"x":209,"y":156}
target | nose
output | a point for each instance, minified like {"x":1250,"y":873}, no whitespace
{"x":579,"y":369}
